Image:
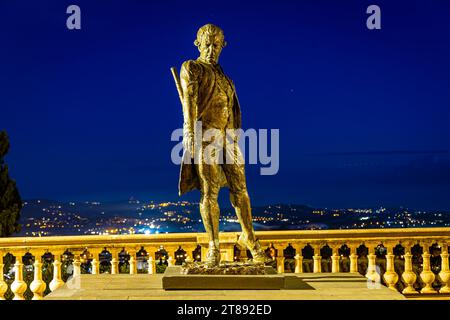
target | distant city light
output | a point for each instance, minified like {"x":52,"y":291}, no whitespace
{"x":44,"y":218}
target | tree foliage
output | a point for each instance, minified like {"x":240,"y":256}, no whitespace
{"x":10,"y":201}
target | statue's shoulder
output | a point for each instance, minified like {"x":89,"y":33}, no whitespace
{"x":191,"y":69}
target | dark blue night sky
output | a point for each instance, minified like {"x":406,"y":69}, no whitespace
{"x":363,"y":115}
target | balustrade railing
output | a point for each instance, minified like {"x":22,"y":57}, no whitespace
{"x":412,"y":261}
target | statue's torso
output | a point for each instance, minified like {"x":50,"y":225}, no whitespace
{"x":219,"y":99}
{"x":216,"y":105}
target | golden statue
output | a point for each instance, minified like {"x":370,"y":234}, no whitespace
{"x":209,"y":98}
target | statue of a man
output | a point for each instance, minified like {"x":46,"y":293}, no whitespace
{"x":209,"y":99}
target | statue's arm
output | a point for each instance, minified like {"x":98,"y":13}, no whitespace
{"x":189,"y":75}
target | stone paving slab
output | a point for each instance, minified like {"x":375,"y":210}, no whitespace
{"x":149,"y":287}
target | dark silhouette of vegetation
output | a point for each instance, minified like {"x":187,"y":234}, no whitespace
{"x":10,"y":201}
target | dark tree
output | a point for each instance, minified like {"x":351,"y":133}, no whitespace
{"x":10,"y":202}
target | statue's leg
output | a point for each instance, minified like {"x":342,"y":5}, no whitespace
{"x":239,"y":198}
{"x":234,"y":169}
{"x":209,"y":208}
{"x":235,"y":174}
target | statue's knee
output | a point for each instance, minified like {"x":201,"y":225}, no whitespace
{"x":209,"y":199}
{"x":240,"y":197}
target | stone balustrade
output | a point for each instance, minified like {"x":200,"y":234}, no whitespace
{"x":412,"y":261}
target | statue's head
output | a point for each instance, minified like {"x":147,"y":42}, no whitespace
{"x":210,"y":42}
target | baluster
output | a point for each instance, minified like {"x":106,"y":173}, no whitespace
{"x":298,"y":263}
{"x":409,"y":276}
{"x":444,"y":274}
{"x":171,"y":252}
{"x":37,"y":286}
{"x":390,"y":276}
{"x":114,"y":260}
{"x":335,"y":259}
{"x":56,"y":281}
{"x":298,"y":258}
{"x":152,"y":260}
{"x":317,"y":267}
{"x":280,"y":259}
{"x":189,"y":254}
{"x":427,"y":275}
{"x":204,"y":251}
{"x":133,"y":264}
{"x":95,"y":260}
{"x":152,"y":265}
{"x":372,"y":273}
{"x":76,"y":265}
{"x":227,"y":252}
{"x":3,"y":285}
{"x":170,"y":261}
{"x":353,"y":258}
{"x":242,"y":255}
{"x":18,"y":287}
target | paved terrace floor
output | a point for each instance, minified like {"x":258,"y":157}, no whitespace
{"x":149,"y":287}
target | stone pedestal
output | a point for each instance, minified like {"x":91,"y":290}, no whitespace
{"x":174,"y":279}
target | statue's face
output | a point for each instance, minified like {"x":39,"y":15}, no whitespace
{"x":210,"y":48}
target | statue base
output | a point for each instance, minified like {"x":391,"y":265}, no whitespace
{"x":228,"y":276}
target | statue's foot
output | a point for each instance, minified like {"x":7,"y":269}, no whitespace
{"x":213,"y":257}
{"x":255,"y":248}
{"x":242,"y":242}
{"x":260,"y":257}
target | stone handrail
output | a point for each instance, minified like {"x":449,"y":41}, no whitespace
{"x":414,"y":278}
